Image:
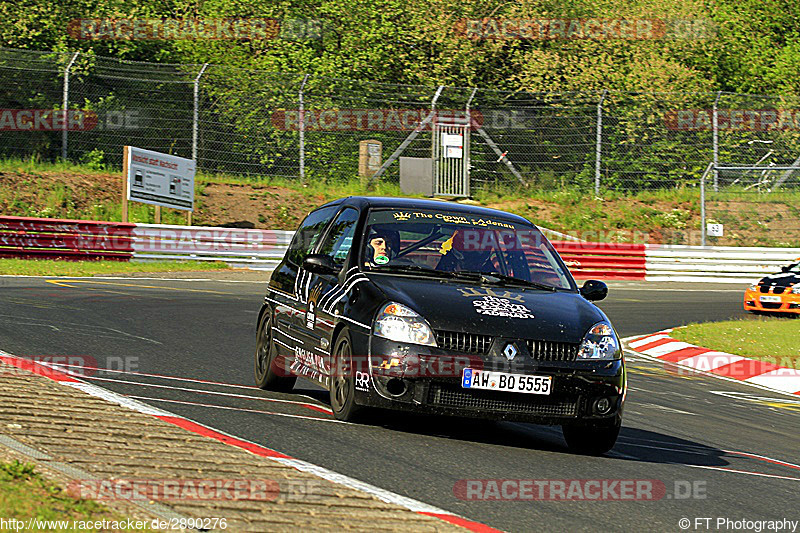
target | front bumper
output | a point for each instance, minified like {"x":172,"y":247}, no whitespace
{"x":429,"y":381}
{"x":789,"y":303}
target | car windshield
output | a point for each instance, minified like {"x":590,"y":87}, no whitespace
{"x":454,"y":244}
{"x":795,"y":268}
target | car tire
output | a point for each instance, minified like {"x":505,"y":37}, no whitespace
{"x":591,"y":439}
{"x":267,"y":373}
{"x":342,"y":381}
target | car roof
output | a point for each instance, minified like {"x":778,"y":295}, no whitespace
{"x":422,"y":203}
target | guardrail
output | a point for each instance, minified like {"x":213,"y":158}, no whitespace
{"x":263,"y":250}
{"x":720,"y":264}
{"x":241,"y":248}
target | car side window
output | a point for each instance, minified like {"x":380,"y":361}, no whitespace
{"x":339,"y":240}
{"x":308,"y":234}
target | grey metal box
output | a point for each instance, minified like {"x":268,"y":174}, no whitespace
{"x":416,"y":175}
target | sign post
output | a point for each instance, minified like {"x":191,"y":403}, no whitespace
{"x":158,"y":179}
{"x":125,"y":162}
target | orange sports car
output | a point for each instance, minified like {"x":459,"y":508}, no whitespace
{"x":776,"y":293}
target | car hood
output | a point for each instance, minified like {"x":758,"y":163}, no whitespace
{"x":494,"y":310}
{"x":782,"y":279}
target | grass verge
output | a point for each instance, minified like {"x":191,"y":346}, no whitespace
{"x":41,"y":267}
{"x":25,"y":495}
{"x":769,"y":339}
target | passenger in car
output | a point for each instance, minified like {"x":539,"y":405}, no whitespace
{"x":458,"y":254}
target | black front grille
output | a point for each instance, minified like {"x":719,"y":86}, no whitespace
{"x":771,"y":305}
{"x":552,"y":351}
{"x":463,"y":342}
{"x":507,"y":402}
{"x":776,"y":289}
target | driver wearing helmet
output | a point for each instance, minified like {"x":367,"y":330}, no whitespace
{"x":378,"y":249}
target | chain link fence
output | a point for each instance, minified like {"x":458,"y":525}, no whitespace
{"x":247,"y":122}
{"x":753,"y":193}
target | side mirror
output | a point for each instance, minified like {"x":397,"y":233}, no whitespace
{"x":320,"y":264}
{"x":594,"y":290}
{"x":785,"y":269}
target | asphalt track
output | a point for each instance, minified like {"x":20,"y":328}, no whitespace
{"x":186,"y":347}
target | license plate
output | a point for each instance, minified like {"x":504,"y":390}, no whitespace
{"x":770,"y":299}
{"x":501,"y":381}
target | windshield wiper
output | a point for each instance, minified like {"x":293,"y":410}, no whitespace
{"x":497,"y":278}
{"x":413,"y":269}
{"x":467,"y":275}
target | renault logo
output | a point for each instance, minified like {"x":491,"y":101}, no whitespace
{"x":510,"y":351}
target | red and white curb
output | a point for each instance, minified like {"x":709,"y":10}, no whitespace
{"x":763,"y":374}
{"x":64,"y":378}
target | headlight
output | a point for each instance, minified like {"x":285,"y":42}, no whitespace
{"x":600,"y":343}
{"x":397,"y":322}
{"x":754,"y":287}
{"x":796,"y":288}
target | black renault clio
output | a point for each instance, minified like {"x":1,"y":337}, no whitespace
{"x":441,"y":308}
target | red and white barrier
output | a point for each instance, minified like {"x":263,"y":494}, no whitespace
{"x":43,"y":238}
{"x":593,"y":260}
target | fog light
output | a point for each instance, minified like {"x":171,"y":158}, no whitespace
{"x":602,"y":406}
{"x":751,"y":303}
{"x":396,"y":387}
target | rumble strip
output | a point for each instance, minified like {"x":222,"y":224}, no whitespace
{"x":763,"y":374}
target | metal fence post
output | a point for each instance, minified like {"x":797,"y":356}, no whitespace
{"x":65,"y":107}
{"x":195,"y":117}
{"x":703,"y":202}
{"x":468,"y":137}
{"x":715,"y":140}
{"x":433,"y":140}
{"x":703,"y":209}
{"x":599,"y":146}
{"x":302,"y":131}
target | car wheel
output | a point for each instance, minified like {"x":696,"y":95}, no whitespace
{"x":267,"y":373}
{"x":591,"y":439}
{"x":342,"y":382}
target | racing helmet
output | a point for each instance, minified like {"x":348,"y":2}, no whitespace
{"x":388,"y":237}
